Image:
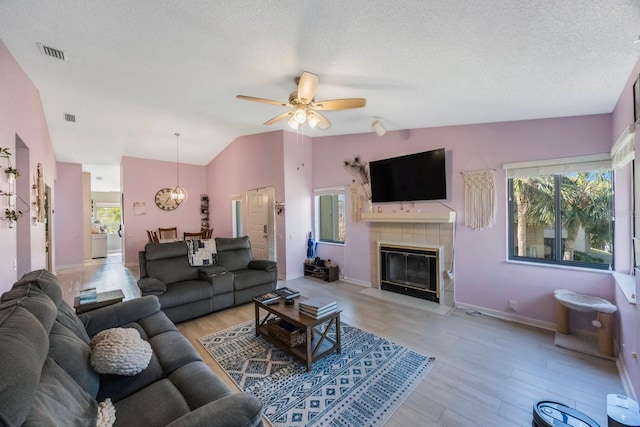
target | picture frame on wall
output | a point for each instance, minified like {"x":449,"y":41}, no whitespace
{"x":636,"y":100}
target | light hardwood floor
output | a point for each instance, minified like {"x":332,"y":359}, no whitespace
{"x":488,"y":372}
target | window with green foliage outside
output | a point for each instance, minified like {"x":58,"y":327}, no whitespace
{"x":562,"y":218}
{"x":110,"y":218}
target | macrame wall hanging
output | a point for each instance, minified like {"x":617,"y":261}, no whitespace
{"x":479,"y":199}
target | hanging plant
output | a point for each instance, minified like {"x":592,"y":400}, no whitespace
{"x":5,"y":153}
{"x":12,"y":215}
{"x":12,"y":171}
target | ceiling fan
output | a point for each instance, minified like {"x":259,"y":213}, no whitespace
{"x":303,"y":106}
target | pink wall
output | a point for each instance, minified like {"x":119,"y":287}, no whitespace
{"x":141,"y":179}
{"x":482,"y":276}
{"x":21,"y":114}
{"x":250,"y":162}
{"x":69,"y":244}
{"x":627,"y":317}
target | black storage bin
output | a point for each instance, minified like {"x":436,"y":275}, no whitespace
{"x":554,"y":414}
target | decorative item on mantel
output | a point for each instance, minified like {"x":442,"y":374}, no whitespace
{"x":360,"y":188}
{"x":479,"y":199}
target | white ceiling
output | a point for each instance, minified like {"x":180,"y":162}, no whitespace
{"x":139,"y":71}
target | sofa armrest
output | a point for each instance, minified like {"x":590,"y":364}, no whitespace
{"x":263,"y":264}
{"x":239,"y":409}
{"x":117,"y":315}
{"x":152,"y":286}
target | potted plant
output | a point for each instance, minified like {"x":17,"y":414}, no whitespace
{"x":12,"y":216}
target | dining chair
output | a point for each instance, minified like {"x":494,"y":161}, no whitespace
{"x":153,"y":236}
{"x":207,"y":233}
{"x":168,"y":233}
{"x":192,"y":236}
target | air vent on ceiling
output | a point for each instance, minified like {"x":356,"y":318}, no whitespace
{"x":69,"y":118}
{"x":52,"y":52}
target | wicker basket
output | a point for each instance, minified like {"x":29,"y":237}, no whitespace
{"x":286,"y":332}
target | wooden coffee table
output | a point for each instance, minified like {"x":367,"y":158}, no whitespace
{"x":317,"y":344}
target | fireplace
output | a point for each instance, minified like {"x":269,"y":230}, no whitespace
{"x":411,"y":270}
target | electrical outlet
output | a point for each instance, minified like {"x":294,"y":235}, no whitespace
{"x":513,"y":305}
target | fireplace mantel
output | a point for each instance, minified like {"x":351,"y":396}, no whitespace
{"x":407,"y":216}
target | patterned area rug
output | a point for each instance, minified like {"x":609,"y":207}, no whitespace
{"x":362,"y":386}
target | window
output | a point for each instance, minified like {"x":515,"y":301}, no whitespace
{"x":560,"y":212}
{"x":330,"y":215}
{"x":109,"y":216}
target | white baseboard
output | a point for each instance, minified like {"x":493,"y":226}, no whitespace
{"x":290,"y":277}
{"x":356,"y":282}
{"x":64,"y":267}
{"x":512,"y":317}
{"x":626,"y":380}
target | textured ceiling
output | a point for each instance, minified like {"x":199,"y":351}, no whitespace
{"x":139,"y":71}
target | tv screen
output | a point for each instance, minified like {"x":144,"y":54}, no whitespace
{"x":414,"y":177}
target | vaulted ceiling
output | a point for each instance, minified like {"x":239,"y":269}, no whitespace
{"x":138,"y":71}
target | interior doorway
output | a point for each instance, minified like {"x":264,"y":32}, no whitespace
{"x":261,"y":222}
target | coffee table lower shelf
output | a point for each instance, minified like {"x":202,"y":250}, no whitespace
{"x":317,"y":344}
{"x":300,"y":352}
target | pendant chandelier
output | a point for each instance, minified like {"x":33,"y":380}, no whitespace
{"x":178,"y":193}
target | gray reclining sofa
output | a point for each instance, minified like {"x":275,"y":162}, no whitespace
{"x":46,"y":378}
{"x":187,"y":291}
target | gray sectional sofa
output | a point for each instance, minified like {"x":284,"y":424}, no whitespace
{"x":186,"y":291}
{"x":46,"y":378}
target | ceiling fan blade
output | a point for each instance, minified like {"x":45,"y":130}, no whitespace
{"x":307,"y":87}
{"x":278,"y":118}
{"x":323,"y":122}
{"x":264,"y":101}
{"x":339,"y":104}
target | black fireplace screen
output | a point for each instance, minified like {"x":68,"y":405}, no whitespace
{"x":411,"y":270}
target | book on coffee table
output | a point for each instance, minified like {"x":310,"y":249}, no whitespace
{"x":287,"y":293}
{"x":318,"y":314}
{"x":267,"y":298}
{"x":317,"y":307}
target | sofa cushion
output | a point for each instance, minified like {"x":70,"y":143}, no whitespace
{"x":234,"y":253}
{"x":158,"y":251}
{"x":60,"y":401}
{"x":155,"y":405}
{"x":172,"y":270}
{"x":35,"y":301}
{"x":119,"y":351}
{"x":186,"y":292}
{"x":23,"y":344}
{"x":44,"y":280}
{"x":68,"y":318}
{"x":72,"y":354}
{"x":244,"y":279}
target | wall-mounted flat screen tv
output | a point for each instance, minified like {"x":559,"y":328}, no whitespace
{"x":414,"y":177}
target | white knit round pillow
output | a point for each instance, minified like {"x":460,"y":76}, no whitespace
{"x":119,"y":351}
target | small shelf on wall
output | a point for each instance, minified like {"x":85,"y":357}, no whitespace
{"x":408,"y":216}
{"x":204,"y":211}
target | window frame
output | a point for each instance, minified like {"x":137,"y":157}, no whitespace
{"x":557,"y":168}
{"x":330,"y":191}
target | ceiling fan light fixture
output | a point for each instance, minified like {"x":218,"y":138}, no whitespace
{"x":292,"y":123}
{"x":312,"y":120}
{"x":300,"y":115}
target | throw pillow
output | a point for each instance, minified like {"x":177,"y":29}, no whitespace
{"x":119,"y":351}
{"x":202,"y":252}
{"x":106,"y":414}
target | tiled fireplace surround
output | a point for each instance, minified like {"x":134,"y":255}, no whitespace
{"x":408,"y":233}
